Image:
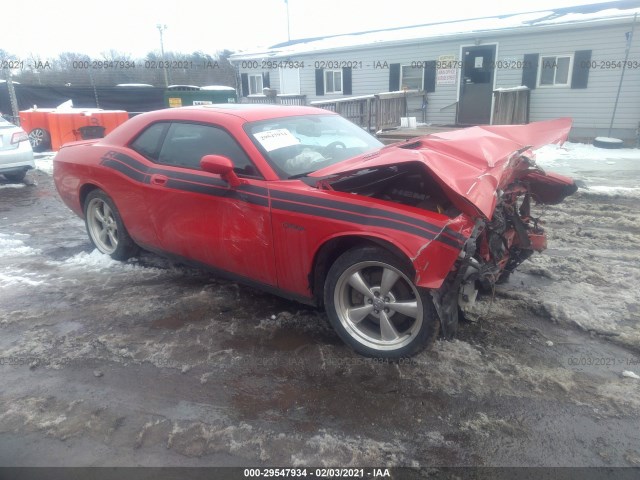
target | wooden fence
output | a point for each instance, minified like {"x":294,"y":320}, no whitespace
{"x":373,"y":112}
{"x":278,"y":99}
{"x":511,"y":106}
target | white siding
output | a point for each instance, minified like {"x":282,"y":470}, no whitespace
{"x":590,"y":108}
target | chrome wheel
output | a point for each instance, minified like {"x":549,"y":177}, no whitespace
{"x":39,"y":139}
{"x":378,"y":305}
{"x":102,"y":226}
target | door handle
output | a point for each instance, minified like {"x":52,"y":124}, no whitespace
{"x":159,"y":179}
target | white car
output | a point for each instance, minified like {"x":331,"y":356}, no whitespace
{"x":16,"y":154}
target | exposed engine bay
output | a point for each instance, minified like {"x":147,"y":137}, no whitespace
{"x":407,"y":184}
{"x":494,"y":250}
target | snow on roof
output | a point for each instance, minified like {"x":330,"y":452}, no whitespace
{"x":217,"y":87}
{"x":182,"y":87}
{"x":511,"y":89}
{"x":438,"y":31}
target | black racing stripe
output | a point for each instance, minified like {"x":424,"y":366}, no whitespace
{"x":328,"y":208}
{"x":127,"y":160}
{"x":120,"y":161}
{"x":217,"y":192}
{"x":126,"y":170}
{"x":455,"y":236}
{"x":457,"y":239}
{"x":360,"y":219}
{"x":361,"y":209}
{"x":452,"y":242}
{"x":190,"y":177}
{"x":458,"y":236}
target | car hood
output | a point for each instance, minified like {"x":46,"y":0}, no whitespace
{"x":472,"y":164}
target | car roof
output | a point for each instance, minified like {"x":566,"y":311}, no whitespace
{"x":252,"y":112}
{"x":214,"y":113}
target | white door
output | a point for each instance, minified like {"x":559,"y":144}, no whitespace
{"x":290,"y":81}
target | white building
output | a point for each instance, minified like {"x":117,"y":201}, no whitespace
{"x":572,"y":59}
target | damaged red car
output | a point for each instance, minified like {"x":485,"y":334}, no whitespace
{"x":392,"y":240}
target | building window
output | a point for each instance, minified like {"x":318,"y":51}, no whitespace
{"x":555,"y":71}
{"x":333,"y":81}
{"x":411,"y":78}
{"x":255,"y":84}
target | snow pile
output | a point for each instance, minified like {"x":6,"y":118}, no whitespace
{"x":93,"y":260}
{"x":328,"y":449}
{"x":18,"y":277}
{"x":45,"y":164}
{"x":554,"y":154}
{"x":97,"y":260}
{"x":602,"y":172}
{"x":12,"y":246}
{"x":630,"y":374}
{"x":12,"y":258}
{"x":13,"y":185}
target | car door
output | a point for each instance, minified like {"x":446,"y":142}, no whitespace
{"x":197,"y":215}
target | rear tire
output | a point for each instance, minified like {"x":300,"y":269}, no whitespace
{"x":375,"y":307}
{"x":16,"y":177}
{"x":40,"y":139}
{"x":105,"y":227}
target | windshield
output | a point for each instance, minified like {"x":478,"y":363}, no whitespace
{"x":296,"y":146}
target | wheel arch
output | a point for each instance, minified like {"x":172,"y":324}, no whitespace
{"x":84,"y":191}
{"x":331,"y":249}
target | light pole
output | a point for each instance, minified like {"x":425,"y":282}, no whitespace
{"x":161,"y":29}
{"x":629,"y":36}
{"x":288,"y":31}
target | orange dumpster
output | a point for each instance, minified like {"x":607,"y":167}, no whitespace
{"x":51,"y":128}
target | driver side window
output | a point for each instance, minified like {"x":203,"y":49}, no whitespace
{"x":185,"y":144}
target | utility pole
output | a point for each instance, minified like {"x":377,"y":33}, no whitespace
{"x":12,"y":99}
{"x":288,"y":31}
{"x":629,"y":36}
{"x":161,"y":29}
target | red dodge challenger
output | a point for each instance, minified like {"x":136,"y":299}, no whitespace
{"x":394,"y":241}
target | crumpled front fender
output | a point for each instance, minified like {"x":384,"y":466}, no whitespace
{"x":436,"y":259}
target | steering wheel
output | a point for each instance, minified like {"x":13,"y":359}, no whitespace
{"x":332,"y":146}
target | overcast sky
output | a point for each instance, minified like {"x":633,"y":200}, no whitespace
{"x":47,"y":28}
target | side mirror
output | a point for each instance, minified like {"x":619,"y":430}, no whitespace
{"x":223,"y":166}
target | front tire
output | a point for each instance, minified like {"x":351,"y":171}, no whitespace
{"x":105,"y":227}
{"x":375,"y":307}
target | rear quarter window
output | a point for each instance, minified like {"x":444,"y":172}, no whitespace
{"x":149,"y":141}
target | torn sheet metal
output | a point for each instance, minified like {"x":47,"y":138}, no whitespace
{"x":470,"y":164}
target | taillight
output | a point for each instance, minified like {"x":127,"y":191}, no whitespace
{"x":19,"y":137}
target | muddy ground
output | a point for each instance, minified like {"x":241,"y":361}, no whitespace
{"x":149,"y":363}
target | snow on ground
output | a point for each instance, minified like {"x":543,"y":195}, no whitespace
{"x":589,"y":275}
{"x":12,"y":245}
{"x":12,"y":250}
{"x":607,"y":172}
{"x":97,"y":260}
{"x":45,"y":163}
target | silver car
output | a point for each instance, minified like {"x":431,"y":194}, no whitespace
{"x":16,"y":155}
